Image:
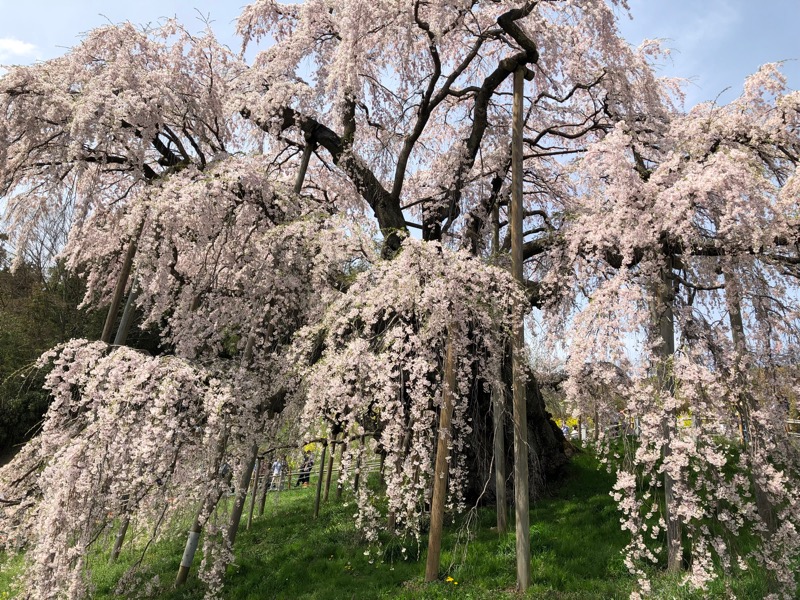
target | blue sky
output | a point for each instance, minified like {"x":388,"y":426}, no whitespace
{"x":716,"y":43}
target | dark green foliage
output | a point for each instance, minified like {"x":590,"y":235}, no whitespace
{"x":38,"y":309}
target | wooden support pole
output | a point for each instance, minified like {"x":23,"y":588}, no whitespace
{"x":331,"y":457}
{"x":501,"y":501}
{"x":255,"y":492}
{"x":189,"y":550}
{"x":119,"y":289}
{"x":357,"y":478}
{"x":339,"y":486}
{"x":301,"y":173}
{"x":521,"y":498}
{"x":262,"y":500}
{"x":747,"y":404}
{"x":120,"y":538}
{"x":319,"y":481}
{"x":119,"y":340}
{"x":241,"y":494}
{"x":666,"y":326}
{"x":442,"y":465}
{"x":205,"y":509}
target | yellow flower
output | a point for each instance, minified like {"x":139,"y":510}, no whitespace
{"x":449,"y":579}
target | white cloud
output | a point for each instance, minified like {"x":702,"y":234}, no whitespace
{"x":12,"y":49}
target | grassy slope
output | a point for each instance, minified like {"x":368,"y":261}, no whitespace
{"x":575,"y":537}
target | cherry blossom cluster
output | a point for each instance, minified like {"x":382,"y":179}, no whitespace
{"x":380,"y":370}
{"x":126,"y":434}
{"x":690,"y":222}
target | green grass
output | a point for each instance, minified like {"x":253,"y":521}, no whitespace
{"x":576,"y":548}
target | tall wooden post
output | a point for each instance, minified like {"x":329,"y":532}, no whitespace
{"x":301,"y":173}
{"x":339,"y":487}
{"x":442,"y":465}
{"x":331,"y":458}
{"x":262,"y":499}
{"x":241,"y":494}
{"x":746,"y":404}
{"x":666,"y":326}
{"x":119,"y":340}
{"x":321,"y":475}
{"x":498,"y":415}
{"x":255,"y":492}
{"x":517,"y":348}
{"x":499,"y":461}
{"x":208,"y":504}
{"x":119,"y":289}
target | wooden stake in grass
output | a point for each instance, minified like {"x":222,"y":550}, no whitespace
{"x":666,"y":325}
{"x":498,"y":415}
{"x":331,"y":457}
{"x":517,"y":346}
{"x":321,"y":475}
{"x":262,"y":499}
{"x":357,"y":478}
{"x":499,"y":462}
{"x":441,"y":467}
{"x":241,"y":494}
{"x":208,"y":504}
{"x":746,"y":401}
{"x":255,"y":492}
{"x":119,"y":340}
{"x":339,"y":486}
